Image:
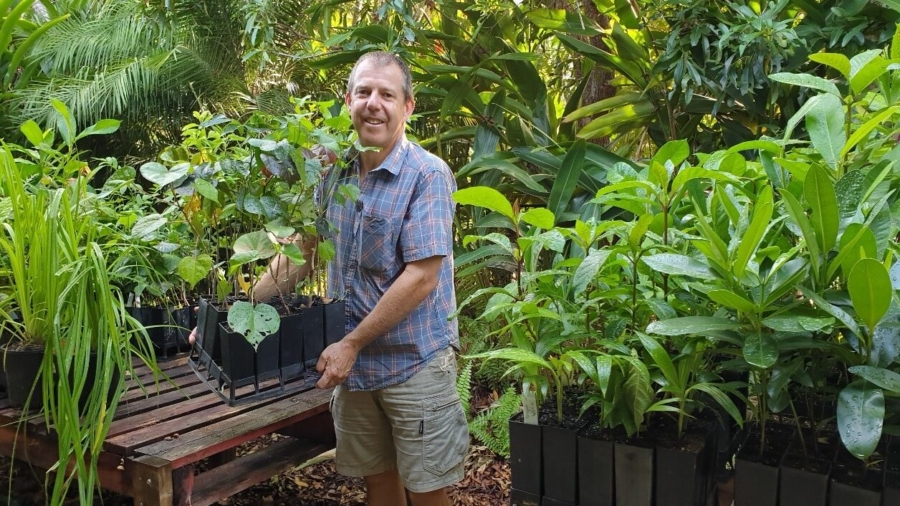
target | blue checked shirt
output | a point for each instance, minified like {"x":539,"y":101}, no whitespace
{"x":404,"y":213}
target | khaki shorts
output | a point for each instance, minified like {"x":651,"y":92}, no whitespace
{"x":417,"y":427}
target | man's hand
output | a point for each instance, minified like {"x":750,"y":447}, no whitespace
{"x":335,"y":363}
{"x":192,"y":338}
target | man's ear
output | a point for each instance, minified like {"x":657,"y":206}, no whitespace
{"x":410,"y":107}
{"x":347,"y":98}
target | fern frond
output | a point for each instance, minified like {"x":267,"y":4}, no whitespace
{"x":491,"y":427}
{"x":464,"y":387}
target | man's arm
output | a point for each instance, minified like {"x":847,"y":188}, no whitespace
{"x":282,"y":275}
{"x":412,"y":287}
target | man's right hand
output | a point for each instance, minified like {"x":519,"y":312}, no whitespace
{"x":193,"y":336}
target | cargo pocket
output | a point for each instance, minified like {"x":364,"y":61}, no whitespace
{"x":375,"y":243}
{"x":445,"y":434}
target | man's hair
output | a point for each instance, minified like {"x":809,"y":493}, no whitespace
{"x":383,"y":59}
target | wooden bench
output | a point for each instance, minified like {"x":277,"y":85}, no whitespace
{"x":157,"y":440}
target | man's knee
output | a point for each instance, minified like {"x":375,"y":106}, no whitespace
{"x":437,"y":497}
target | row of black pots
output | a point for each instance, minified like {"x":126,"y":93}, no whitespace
{"x":167,"y":327}
{"x":568,"y":466}
{"x":780,"y":472}
{"x":22,"y":370}
{"x":292,"y":351}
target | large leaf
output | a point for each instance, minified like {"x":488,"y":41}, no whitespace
{"x":836,"y":61}
{"x":662,"y":359}
{"x":795,"y":210}
{"x":760,"y":349}
{"x":146,"y":226}
{"x":870,"y":291}
{"x":860,"y":417}
{"x":488,"y":198}
{"x":865,"y":246}
{"x":879,"y":376}
{"x":194,"y":269}
{"x":730,"y":299}
{"x":679,"y":265}
{"x":762,"y":215}
{"x":808,"y":81}
{"x":254,"y":246}
{"x":255,"y":323}
{"x":538,"y":217}
{"x":566,"y":179}
{"x":588,"y":268}
{"x":157,"y":173}
{"x":831,"y":309}
{"x":563,"y":20}
{"x":866,"y":128}
{"x":691,"y":325}
{"x":819,"y":192}
{"x":825,"y":124}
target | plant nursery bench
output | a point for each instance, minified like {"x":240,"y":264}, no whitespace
{"x":158,"y":438}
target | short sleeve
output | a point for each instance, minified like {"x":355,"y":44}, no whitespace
{"x":427,"y":229}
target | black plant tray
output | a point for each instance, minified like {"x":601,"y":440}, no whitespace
{"x":211,"y":374}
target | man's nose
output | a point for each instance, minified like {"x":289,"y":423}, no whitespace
{"x":374,"y":101}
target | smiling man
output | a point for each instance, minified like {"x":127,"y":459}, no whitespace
{"x":397,"y":416}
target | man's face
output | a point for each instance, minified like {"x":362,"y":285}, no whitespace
{"x":378,"y":107}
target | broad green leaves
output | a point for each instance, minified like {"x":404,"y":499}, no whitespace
{"x":194,"y":269}
{"x":488,"y":198}
{"x":860,"y":417}
{"x":870,"y":290}
{"x":254,"y":322}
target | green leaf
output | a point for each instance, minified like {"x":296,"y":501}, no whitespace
{"x":294,"y":254}
{"x":819,"y":192}
{"x":488,"y":198}
{"x":860,"y":417}
{"x":257,"y":242}
{"x":102,"y":127}
{"x":194,"y":269}
{"x":760,"y":349}
{"x":566,"y":179}
{"x":538,"y":217}
{"x":870,"y":290}
{"x":884,"y":378}
{"x":865,"y":247}
{"x":836,"y":61}
{"x":588,"y":268}
{"x":808,"y":81}
{"x":825,"y":124}
{"x":866,"y":128}
{"x":797,"y":323}
{"x":604,"y":371}
{"x":674,"y":151}
{"x":206,"y":189}
{"x":679,"y":265}
{"x":562,"y":20}
{"x":691,"y":325}
{"x":255,"y":323}
{"x":732,"y":300}
{"x":662,"y":359}
{"x":145,"y":227}
{"x":809,"y":236}
{"x":762,"y":215}
{"x":32,"y":132}
{"x":638,"y":230}
{"x":831,"y":309}
{"x":158,"y":174}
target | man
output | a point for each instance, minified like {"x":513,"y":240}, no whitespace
{"x":398,"y":419}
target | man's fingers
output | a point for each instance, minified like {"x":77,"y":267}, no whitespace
{"x":193,"y":336}
{"x":321,"y":364}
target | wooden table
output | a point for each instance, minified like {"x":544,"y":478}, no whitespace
{"x":157,"y":439}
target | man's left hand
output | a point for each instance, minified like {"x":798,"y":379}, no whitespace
{"x":335,"y":363}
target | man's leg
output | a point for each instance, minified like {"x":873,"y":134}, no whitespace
{"x":435,"y":498}
{"x":385,"y":489}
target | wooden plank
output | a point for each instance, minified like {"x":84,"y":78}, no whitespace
{"x":217,"y":436}
{"x":161,"y":388}
{"x":42,"y":452}
{"x":124,"y":444}
{"x":138,"y":406}
{"x":233,"y":477}
{"x":161,"y":415}
{"x":151,"y":481}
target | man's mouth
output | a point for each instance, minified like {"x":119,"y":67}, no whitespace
{"x":374,"y":122}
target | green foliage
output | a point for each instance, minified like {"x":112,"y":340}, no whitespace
{"x":491,"y":427}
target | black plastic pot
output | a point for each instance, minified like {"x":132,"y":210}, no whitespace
{"x":757,"y":473}
{"x":238,"y":358}
{"x":560,"y":463}
{"x":181,"y":320}
{"x":804,"y":475}
{"x":891,"y":489}
{"x":267,"y":357}
{"x":291,"y":342}
{"x":313,"y":334}
{"x":634,"y":472}
{"x":853,"y":484}
{"x":335,"y":322}
{"x":596,"y":469}
{"x":520,"y":498}
{"x":22,"y":368}
{"x":684,"y":473}
{"x":525,"y":456}
{"x":208,"y":343}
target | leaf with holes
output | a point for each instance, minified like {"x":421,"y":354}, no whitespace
{"x":255,"y":323}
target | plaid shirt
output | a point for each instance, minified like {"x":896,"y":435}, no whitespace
{"x":404,"y":213}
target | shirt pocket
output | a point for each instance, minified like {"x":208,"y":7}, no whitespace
{"x":375,"y":253}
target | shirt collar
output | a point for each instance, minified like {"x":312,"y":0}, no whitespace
{"x":394,"y":159}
